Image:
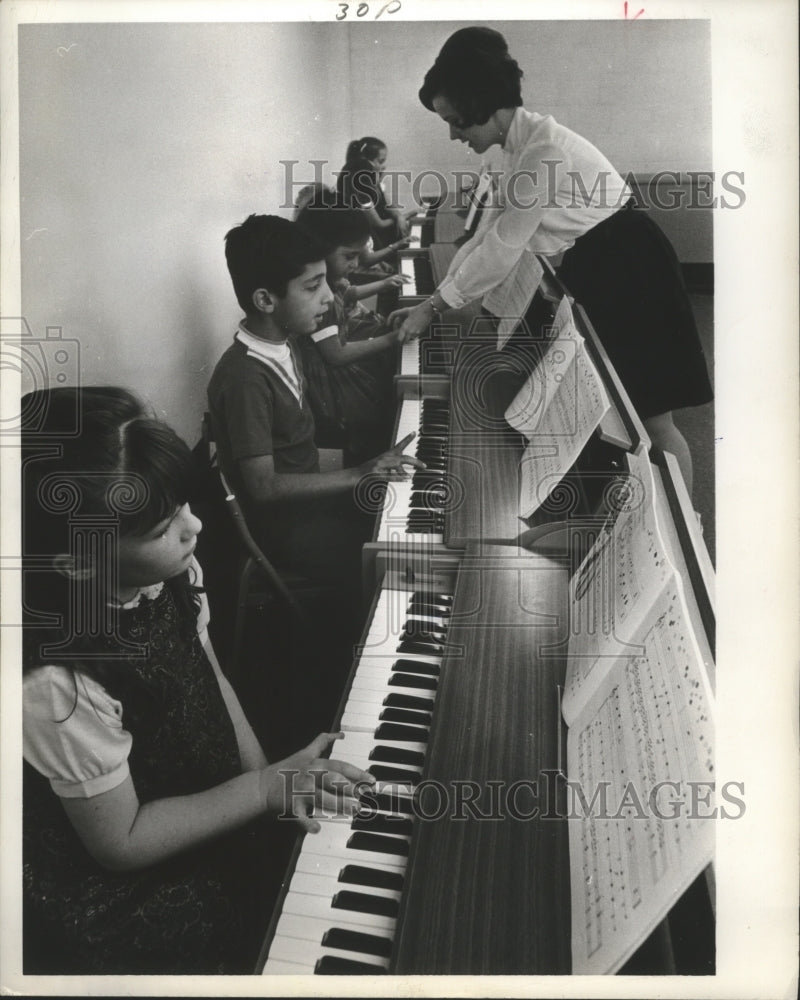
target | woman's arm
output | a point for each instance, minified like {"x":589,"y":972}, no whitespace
{"x":487,"y":261}
{"x":123,"y":834}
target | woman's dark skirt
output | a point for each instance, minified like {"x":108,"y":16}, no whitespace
{"x":626,"y":275}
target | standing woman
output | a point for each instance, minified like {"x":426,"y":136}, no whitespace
{"x":561,"y":198}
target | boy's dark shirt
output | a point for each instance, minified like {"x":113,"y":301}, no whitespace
{"x":255,"y":413}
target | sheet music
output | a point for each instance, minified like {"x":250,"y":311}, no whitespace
{"x":558,"y":408}
{"x":644,"y":743}
{"x":615,"y":586}
{"x":510,"y":299}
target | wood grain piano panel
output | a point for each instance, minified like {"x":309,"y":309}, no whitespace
{"x":484,"y":451}
{"x":491,"y":896}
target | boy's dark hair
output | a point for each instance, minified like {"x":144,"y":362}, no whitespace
{"x":267,"y":251}
{"x":476,"y":74}
{"x":334,"y":224}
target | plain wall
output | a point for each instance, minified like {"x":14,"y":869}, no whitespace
{"x":142,"y":144}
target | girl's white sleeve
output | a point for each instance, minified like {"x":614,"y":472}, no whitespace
{"x":72,"y":732}
{"x":491,"y":258}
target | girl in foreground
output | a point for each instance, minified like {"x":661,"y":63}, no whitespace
{"x":144,"y":782}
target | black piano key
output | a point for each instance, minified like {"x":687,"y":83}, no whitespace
{"x":363,"y":902}
{"x":405,"y":715}
{"x":412,"y":681}
{"x":416,"y":667}
{"x":376,"y":842}
{"x":394,"y":732}
{"x":363,"y":875}
{"x":396,"y":774}
{"x":411,"y":701}
{"x":397,"y":755}
{"x":374,"y":822}
{"x":416,"y":629}
{"x":332,"y":965}
{"x":426,"y":479}
{"x":364,"y":944}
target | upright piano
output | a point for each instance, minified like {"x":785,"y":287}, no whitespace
{"x":454,"y":697}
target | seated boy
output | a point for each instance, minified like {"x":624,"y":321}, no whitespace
{"x":350,"y":362}
{"x":306,"y":520}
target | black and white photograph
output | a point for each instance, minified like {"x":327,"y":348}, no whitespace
{"x":399,"y":445}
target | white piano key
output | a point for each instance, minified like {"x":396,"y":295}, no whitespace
{"x":385,"y":667}
{"x":327,"y":886}
{"x":407,"y":269}
{"x":311,"y":930}
{"x":275,"y":967}
{"x":302,"y":905}
{"x":296,"y":950}
{"x":410,"y":363}
{"x":333,"y":842}
{"x":359,"y":743}
{"x":331,"y":866}
{"x":379,"y":686}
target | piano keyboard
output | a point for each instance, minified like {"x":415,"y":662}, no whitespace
{"x":413,"y":508}
{"x":427,"y":355}
{"x":340,"y":911}
{"x":417,"y":268}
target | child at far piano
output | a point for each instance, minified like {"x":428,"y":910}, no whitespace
{"x":350,"y":362}
{"x":359,"y":186}
{"x":144,"y":788}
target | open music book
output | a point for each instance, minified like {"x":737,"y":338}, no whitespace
{"x":639,"y":707}
{"x":557,"y":409}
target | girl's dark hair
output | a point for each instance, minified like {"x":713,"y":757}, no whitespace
{"x":267,"y":251}
{"x":334,"y":224}
{"x":91,"y":458}
{"x":357,"y":183}
{"x":476,"y":74}
{"x":365,"y":148}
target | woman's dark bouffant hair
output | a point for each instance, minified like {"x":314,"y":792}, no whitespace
{"x":476,"y":74}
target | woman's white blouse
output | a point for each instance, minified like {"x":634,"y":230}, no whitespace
{"x":72,"y":729}
{"x":552,"y":187}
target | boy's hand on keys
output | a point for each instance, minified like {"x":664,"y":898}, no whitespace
{"x":391,"y":464}
{"x":308,"y":783}
{"x":396,"y":280}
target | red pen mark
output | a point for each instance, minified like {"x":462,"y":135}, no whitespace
{"x":635,"y":15}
